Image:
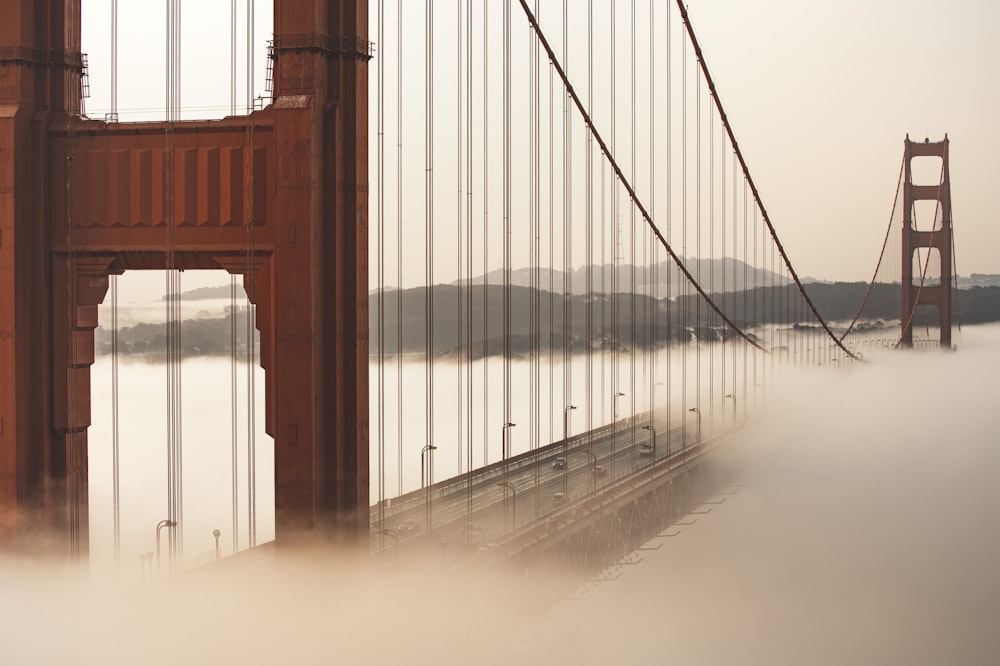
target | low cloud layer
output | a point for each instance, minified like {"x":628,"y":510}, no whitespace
{"x":867,"y":534}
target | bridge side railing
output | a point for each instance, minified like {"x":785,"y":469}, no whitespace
{"x":514,"y":464}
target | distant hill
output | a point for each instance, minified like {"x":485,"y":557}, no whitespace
{"x":715,"y":275}
{"x":543,"y":320}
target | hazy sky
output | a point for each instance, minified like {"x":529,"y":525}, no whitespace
{"x":821,"y":96}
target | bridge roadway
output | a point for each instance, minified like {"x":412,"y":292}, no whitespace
{"x":470,"y":514}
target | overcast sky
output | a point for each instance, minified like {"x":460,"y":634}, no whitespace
{"x":821,"y":96}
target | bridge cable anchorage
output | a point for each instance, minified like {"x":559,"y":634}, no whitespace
{"x":631,"y":190}
{"x":881,"y":256}
{"x":753,"y":187}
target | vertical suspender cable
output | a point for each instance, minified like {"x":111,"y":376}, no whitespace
{"x":567,"y":226}
{"x":697,"y":242}
{"x":486,"y":256}
{"x":399,"y":247}
{"x":429,"y":222}
{"x":468,"y":263}
{"x":652,"y":326}
{"x":115,"y":441}
{"x":683,"y":298}
{"x":616,"y":248}
{"x":234,"y":410}
{"x":463,"y":395}
{"x":506,"y":232}
{"x":380,"y":213}
{"x":669,"y":103}
{"x":251,"y":336}
{"x":633,"y":397}
{"x":589,"y":221}
{"x":232,"y":58}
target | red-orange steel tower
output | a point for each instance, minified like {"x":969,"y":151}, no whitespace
{"x":939,"y":237}
{"x":279,"y":197}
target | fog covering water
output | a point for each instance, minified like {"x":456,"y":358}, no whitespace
{"x":866,"y":534}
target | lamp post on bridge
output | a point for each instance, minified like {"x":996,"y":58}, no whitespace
{"x":427,"y":487}
{"x":733,"y":397}
{"x":504,"y":445}
{"x":159,"y":526}
{"x":652,"y":430}
{"x":697,"y":411}
{"x":507,"y":485}
{"x":566,"y":412}
{"x":614,"y":409}
{"x":503,"y":439}
{"x":218,"y":548}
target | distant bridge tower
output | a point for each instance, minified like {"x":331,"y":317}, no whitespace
{"x":938,"y":237}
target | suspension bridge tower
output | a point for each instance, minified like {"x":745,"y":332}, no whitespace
{"x":278,"y":196}
{"x":938,"y":237}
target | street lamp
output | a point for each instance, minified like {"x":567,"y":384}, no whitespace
{"x":423,"y":473}
{"x":159,"y":526}
{"x":566,"y":412}
{"x":733,"y":397}
{"x":503,"y":440}
{"x":593,"y":467}
{"x":427,"y":492}
{"x":507,"y":485}
{"x":218,"y":549}
{"x":614,"y":415}
{"x":698,"y":412}
{"x":652,"y":430}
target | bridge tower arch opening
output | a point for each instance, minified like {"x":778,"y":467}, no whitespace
{"x":921,"y":289}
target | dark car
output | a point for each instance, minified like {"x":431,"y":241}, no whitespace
{"x":645,"y":449}
{"x":559,"y":463}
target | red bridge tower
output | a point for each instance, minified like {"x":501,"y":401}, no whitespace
{"x":279,"y":197}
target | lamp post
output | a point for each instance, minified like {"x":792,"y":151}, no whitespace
{"x":218,"y":549}
{"x":507,"y":485}
{"x":503,"y":440}
{"x":614,"y":409}
{"x":566,"y":412}
{"x":593,"y":467}
{"x":697,"y":411}
{"x":424,"y":481}
{"x":652,"y":430}
{"x":733,"y":397}
{"x":427,"y":488}
{"x":395,"y":539}
{"x":159,"y":526}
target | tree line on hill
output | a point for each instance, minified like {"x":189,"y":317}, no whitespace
{"x":473,"y":318}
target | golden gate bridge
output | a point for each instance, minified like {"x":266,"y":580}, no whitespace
{"x":543,"y":211}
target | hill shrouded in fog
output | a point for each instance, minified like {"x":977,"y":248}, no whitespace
{"x":544,"y":320}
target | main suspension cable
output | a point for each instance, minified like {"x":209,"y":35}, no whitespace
{"x":753,"y":187}
{"x":623,"y":179}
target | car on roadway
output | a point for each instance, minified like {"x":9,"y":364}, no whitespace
{"x":406,"y":526}
{"x":600,"y":471}
{"x":559,"y":463}
{"x":559,"y":499}
{"x":645,"y":449}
